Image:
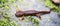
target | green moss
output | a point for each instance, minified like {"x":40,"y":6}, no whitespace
{"x":4,"y":12}
{"x":34,"y":21}
{"x":49,"y":4}
{"x":5,"y":3}
{"x":5,"y":22}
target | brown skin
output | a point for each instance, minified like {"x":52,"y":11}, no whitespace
{"x":31,"y":13}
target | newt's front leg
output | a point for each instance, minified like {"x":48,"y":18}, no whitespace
{"x":38,"y":15}
{"x":21,"y":18}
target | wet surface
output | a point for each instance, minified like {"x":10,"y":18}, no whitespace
{"x":51,"y":19}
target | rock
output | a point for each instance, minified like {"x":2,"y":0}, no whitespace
{"x":58,"y":15}
{"x":56,"y":1}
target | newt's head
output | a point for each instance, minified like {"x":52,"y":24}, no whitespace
{"x":19,"y":14}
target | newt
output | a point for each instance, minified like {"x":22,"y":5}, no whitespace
{"x":31,"y":13}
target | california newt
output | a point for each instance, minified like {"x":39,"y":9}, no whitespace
{"x":31,"y":13}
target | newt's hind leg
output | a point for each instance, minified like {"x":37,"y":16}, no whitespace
{"x":38,"y":15}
